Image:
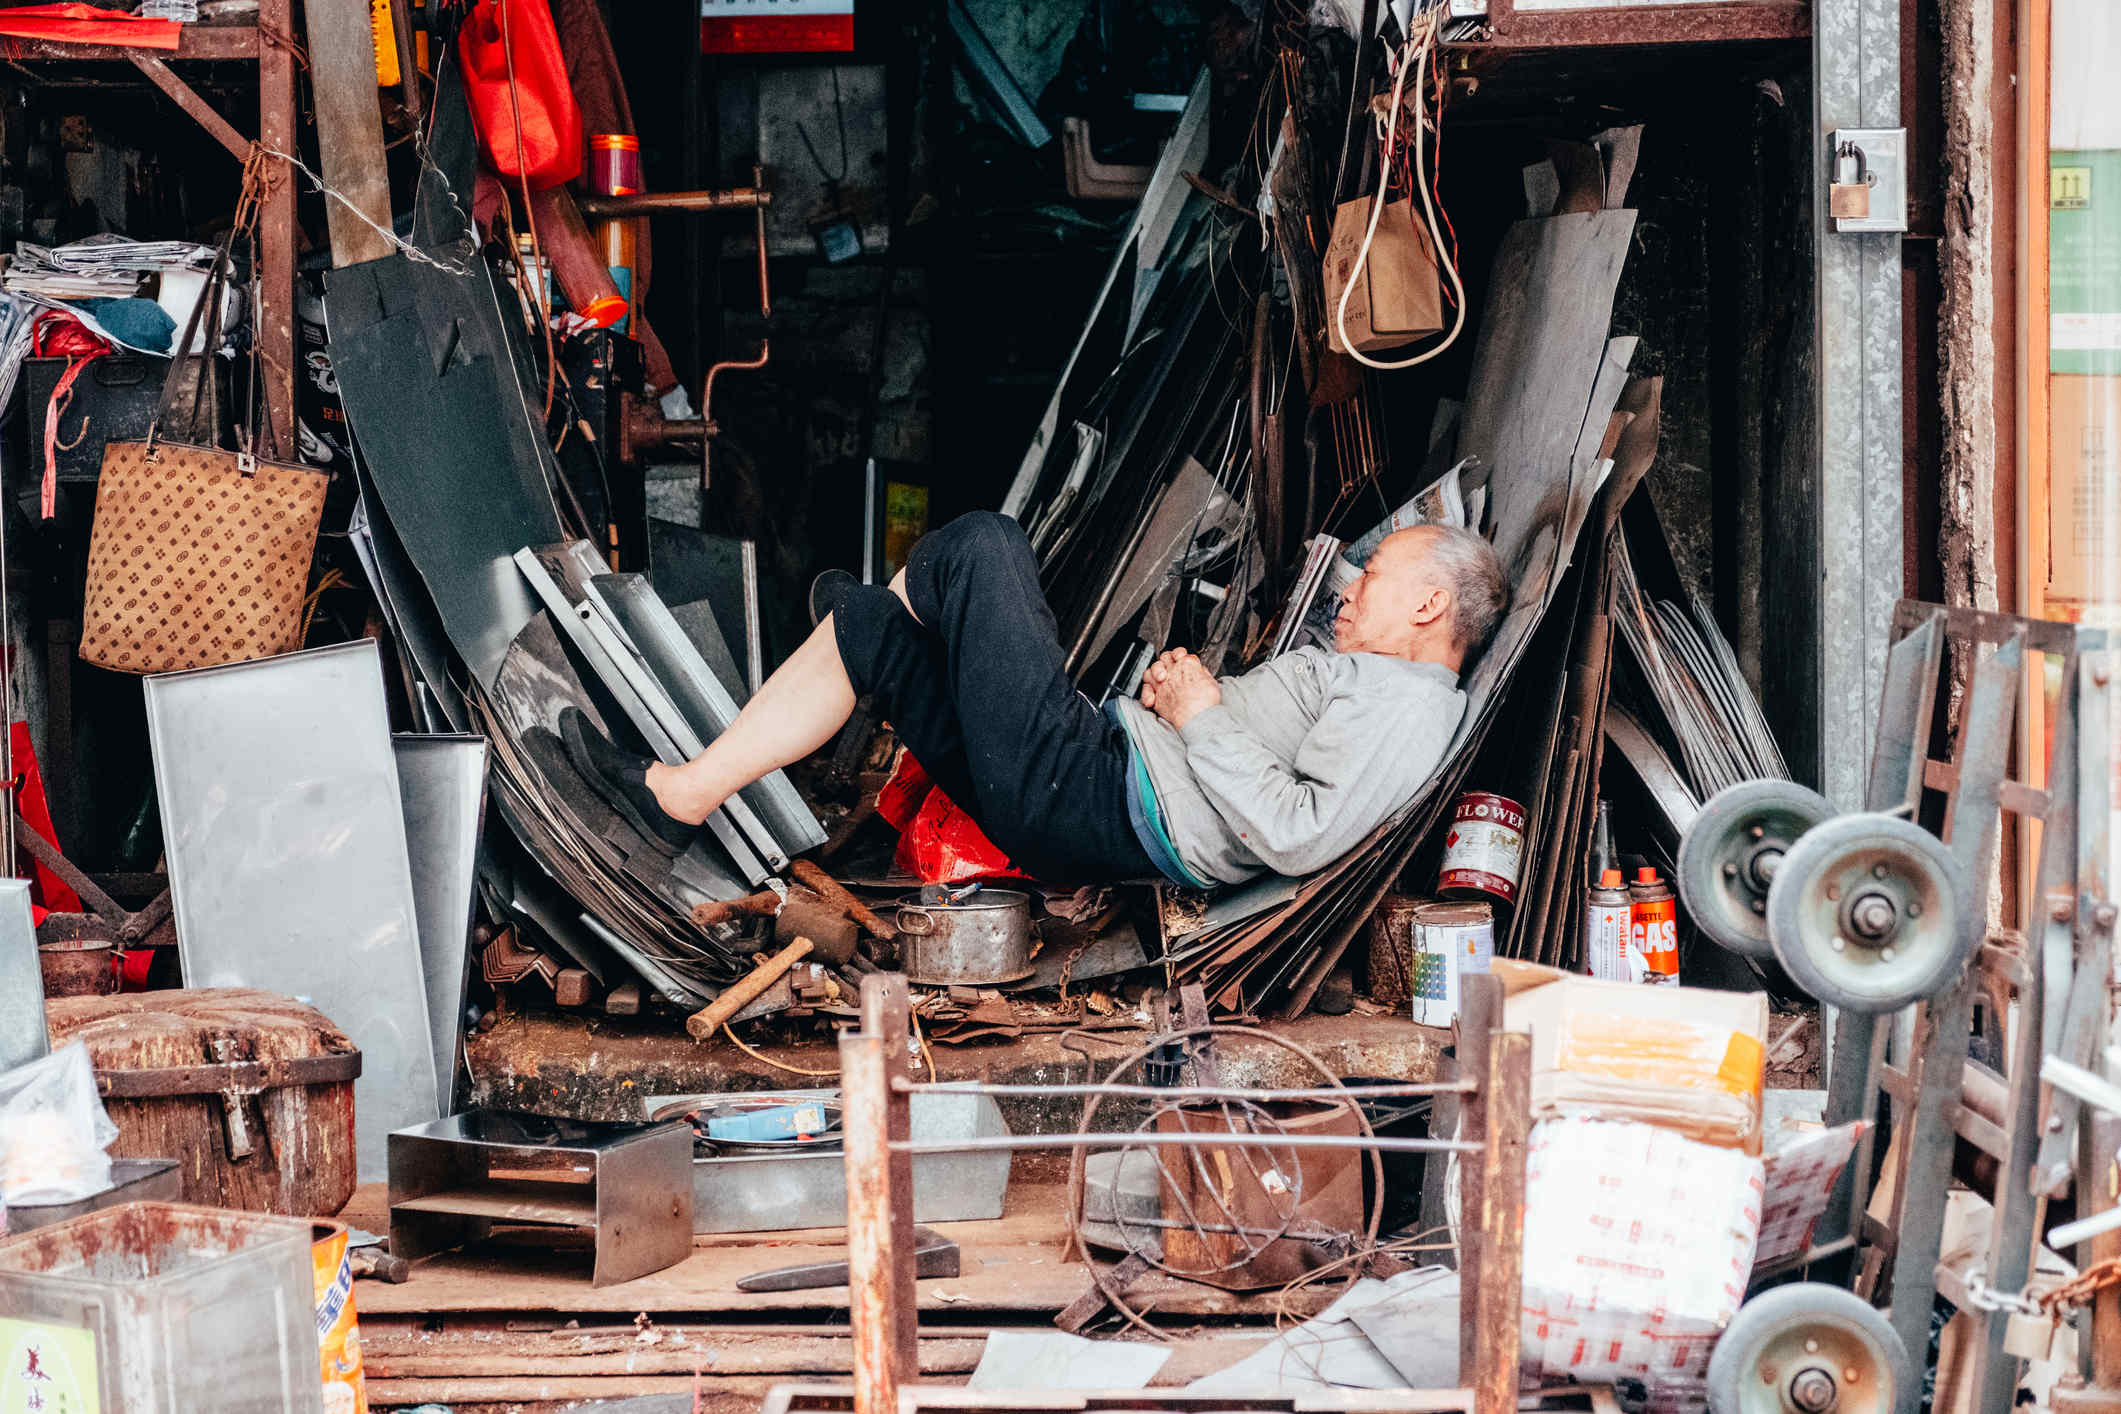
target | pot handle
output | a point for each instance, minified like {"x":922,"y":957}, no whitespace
{"x":927,"y":921}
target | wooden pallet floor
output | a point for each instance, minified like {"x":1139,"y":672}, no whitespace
{"x":514,"y":1323}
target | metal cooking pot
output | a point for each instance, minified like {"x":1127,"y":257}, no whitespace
{"x":978,"y":941}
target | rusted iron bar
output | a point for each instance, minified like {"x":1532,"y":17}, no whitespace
{"x":1191,"y":1092}
{"x":235,"y":1075}
{"x":274,"y":325}
{"x":876,"y":1119}
{"x":193,"y":42}
{"x":187,"y":98}
{"x":1610,"y":26}
{"x":838,"y":896}
{"x":1182,"y":1139}
{"x":672,"y":202}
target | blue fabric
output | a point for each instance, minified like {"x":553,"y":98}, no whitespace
{"x":1148,"y":818}
{"x":138,"y":323}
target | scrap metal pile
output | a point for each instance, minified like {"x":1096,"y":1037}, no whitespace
{"x":1216,"y":459}
{"x":503,"y":620}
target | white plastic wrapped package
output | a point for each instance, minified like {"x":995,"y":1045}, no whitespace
{"x":1637,"y":1246}
{"x":53,"y":1131}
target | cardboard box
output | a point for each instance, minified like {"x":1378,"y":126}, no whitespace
{"x":1637,"y":1246}
{"x":2083,"y":527}
{"x":1688,"y":1059}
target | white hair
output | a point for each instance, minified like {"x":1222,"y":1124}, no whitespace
{"x":1472,"y":571}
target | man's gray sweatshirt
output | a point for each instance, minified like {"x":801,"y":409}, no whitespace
{"x":1304,"y":756}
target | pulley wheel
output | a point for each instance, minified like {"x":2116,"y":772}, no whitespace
{"x":1869,"y":912}
{"x":1808,"y":1348}
{"x":1729,"y":855}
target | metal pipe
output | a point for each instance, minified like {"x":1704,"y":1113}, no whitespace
{"x":2094,"y":1090}
{"x":1185,"y":1139}
{"x":677,"y":202}
{"x":1181,"y":1094}
{"x":2070,"y":1234}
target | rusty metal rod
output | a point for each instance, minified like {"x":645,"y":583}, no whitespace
{"x":1188,"y":1092}
{"x":1185,"y":1139}
{"x":660,"y":203}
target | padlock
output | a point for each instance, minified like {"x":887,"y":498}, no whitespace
{"x":2029,"y":1337}
{"x":1849,"y":197}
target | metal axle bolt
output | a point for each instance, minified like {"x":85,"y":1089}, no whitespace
{"x":2103,"y":916}
{"x":1813,"y":1391}
{"x":1873,"y":915}
{"x":2060,"y":910}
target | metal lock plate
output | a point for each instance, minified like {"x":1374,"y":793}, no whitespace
{"x":1867,"y":179}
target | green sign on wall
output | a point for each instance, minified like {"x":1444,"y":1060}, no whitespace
{"x":2084,"y":261}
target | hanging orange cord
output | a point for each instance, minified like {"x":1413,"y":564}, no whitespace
{"x":57,"y":335}
{"x":543,"y":297}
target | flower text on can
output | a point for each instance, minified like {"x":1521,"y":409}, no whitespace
{"x":1484,"y":847}
{"x":1450,"y":940}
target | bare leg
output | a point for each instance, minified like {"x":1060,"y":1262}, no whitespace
{"x":796,"y":711}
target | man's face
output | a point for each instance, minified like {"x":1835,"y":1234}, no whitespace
{"x":1396,"y":603}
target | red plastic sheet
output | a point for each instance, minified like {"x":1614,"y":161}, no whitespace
{"x":47,"y":891}
{"x":938,"y":842}
{"x":85,"y":24}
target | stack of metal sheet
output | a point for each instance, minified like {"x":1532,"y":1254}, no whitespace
{"x":502,"y":622}
{"x":1540,"y":411}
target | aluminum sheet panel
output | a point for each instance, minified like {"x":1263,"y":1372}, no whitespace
{"x":699,"y":694}
{"x":442,"y":786}
{"x":287,"y":861}
{"x":22,"y":1034}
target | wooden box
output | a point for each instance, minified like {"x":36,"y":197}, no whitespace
{"x":251,"y":1092}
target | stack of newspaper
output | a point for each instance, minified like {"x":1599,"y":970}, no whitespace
{"x":1455,"y":498}
{"x":100,"y":267}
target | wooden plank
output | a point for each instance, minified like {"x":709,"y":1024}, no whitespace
{"x":187,"y":98}
{"x":342,"y":77}
{"x":276,"y":223}
{"x":514,"y":1200}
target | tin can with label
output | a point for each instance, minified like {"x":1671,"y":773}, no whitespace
{"x":1653,"y":929}
{"x":1484,"y":847}
{"x":1605,"y":929}
{"x":338,"y":1335}
{"x":1450,"y":940}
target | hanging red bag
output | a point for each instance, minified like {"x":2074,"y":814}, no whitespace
{"x":529,"y":126}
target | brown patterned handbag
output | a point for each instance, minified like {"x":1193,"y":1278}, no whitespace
{"x":199,"y":554}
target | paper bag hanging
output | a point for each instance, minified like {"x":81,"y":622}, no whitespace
{"x":199,"y":555}
{"x":1396,"y":297}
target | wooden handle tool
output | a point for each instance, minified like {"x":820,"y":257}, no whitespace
{"x":710,"y":1018}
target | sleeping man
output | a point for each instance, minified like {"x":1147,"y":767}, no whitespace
{"x":1202,"y":781}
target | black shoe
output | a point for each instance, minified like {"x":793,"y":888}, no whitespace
{"x":622,"y":779}
{"x":826,"y":592}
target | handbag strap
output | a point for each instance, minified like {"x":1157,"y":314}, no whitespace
{"x":211,"y":297}
{"x":205,"y":390}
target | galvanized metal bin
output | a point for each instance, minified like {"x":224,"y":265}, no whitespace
{"x":162,"y":1308}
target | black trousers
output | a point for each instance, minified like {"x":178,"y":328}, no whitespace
{"x":974,"y":681}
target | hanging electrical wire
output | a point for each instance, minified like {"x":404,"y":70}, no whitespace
{"x":1415,"y":57}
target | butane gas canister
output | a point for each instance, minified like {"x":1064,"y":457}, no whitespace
{"x":1605,"y":928}
{"x":1653,"y":928}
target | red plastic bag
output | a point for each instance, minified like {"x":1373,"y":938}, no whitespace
{"x":538,"y":104}
{"x":938,"y":842}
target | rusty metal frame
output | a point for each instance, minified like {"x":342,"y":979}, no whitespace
{"x":876,"y":1094}
{"x":273,"y":1074}
{"x":269,"y":46}
{"x":1618,"y":26}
